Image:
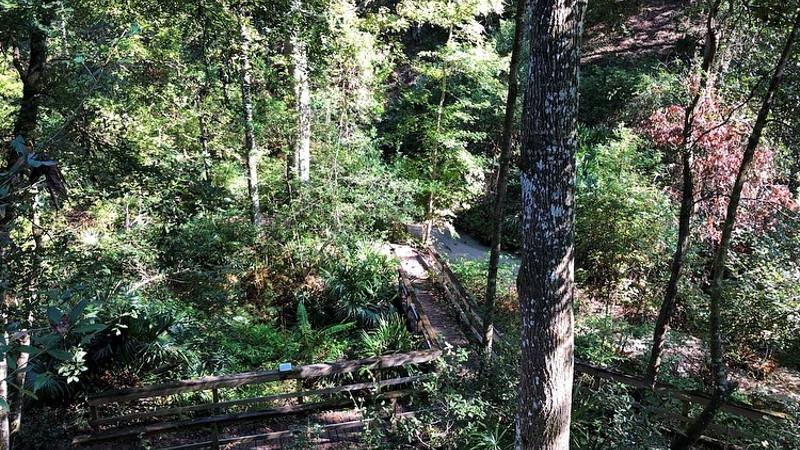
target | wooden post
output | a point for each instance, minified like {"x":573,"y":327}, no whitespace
{"x":93,"y":415}
{"x":215,"y":428}
{"x":685,"y":409}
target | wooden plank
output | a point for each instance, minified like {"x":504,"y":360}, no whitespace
{"x":716,"y":428}
{"x":427,"y":329}
{"x":461,"y":294}
{"x":224,"y":405}
{"x":207,"y":421}
{"x":243,"y":379}
{"x":160,"y":427}
{"x":277,"y":435}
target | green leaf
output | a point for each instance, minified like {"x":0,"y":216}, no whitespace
{"x":60,"y":354}
{"x":76,"y":312}
{"x":4,"y":405}
{"x":54,"y":315}
{"x":28,"y":349}
{"x":41,"y":380}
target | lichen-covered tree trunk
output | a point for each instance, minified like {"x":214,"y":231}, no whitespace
{"x":249,"y":133}
{"x":546,"y":278}
{"x":687,"y":199}
{"x":5,"y":429}
{"x":502,"y":186}
{"x":718,"y":369}
{"x":302,"y":91}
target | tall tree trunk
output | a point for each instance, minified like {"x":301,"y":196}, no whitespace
{"x":687,"y":200}
{"x":32,"y":76}
{"x":249,"y":134}
{"x":434,"y":167}
{"x":502,"y":186}
{"x":5,"y":429}
{"x":302,"y":146}
{"x":718,"y":370}
{"x":546,"y":277}
{"x":20,"y":378}
{"x":203,"y":93}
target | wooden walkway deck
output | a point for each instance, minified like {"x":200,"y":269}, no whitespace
{"x":443,"y":321}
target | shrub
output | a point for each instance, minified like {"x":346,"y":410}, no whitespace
{"x":391,"y":335}
{"x":764,"y":296}
{"x":622,"y":218}
{"x":360,"y":285}
{"x":612,"y":94}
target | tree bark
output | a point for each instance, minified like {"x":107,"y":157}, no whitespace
{"x":5,"y":429}
{"x":249,"y":134}
{"x":20,"y":378}
{"x":687,"y":200}
{"x":718,"y":370}
{"x":546,"y":278}
{"x":32,"y":76}
{"x":502,"y":186}
{"x":302,"y":147}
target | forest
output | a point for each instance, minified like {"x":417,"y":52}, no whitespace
{"x":400,"y":224}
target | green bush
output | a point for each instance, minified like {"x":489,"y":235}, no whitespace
{"x":391,"y":335}
{"x":762,"y":299}
{"x":361,"y":284}
{"x":622,"y":217}
{"x":613,"y":94}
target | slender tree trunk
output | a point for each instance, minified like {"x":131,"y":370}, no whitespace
{"x":249,"y":134}
{"x":687,"y":200}
{"x":24,"y":335}
{"x":302,"y":147}
{"x":32,"y":76}
{"x":20,"y":378}
{"x":546,"y":277}
{"x":502,"y":186}
{"x":202,"y":95}
{"x":5,"y":429}
{"x":433,"y":171}
{"x":718,"y":370}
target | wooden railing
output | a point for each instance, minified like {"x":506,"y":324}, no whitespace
{"x":457,"y":297}
{"x":416,"y":318}
{"x":217,"y":412}
{"x":460,"y":300}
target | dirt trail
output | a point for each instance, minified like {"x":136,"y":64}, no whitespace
{"x":460,"y":246}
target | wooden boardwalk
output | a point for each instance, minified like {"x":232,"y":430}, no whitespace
{"x":443,"y":321}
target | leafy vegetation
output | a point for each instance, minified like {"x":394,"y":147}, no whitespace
{"x":131,"y":254}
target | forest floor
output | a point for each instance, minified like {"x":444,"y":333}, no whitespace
{"x":638,"y":28}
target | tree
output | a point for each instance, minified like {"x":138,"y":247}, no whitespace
{"x":687,"y":197}
{"x":502,"y":185}
{"x":447,"y":111}
{"x":302,"y":146}
{"x":722,"y":385}
{"x":546,"y":277}
{"x":247,"y":116}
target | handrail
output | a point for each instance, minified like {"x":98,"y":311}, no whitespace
{"x":262,"y":376}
